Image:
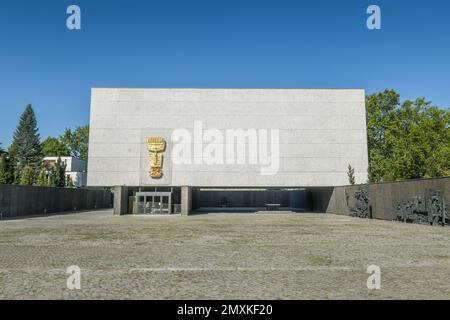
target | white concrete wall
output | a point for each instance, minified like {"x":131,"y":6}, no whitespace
{"x":321,"y":132}
{"x":72,"y":164}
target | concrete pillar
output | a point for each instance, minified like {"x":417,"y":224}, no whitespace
{"x":120,"y":200}
{"x":186,"y":200}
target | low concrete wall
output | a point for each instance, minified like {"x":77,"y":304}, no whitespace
{"x":384,"y":197}
{"x":16,"y":201}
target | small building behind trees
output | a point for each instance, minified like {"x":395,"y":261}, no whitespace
{"x":75,"y":169}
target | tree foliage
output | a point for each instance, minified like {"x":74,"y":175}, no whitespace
{"x":351,"y":175}
{"x":77,"y":141}
{"x":6,"y":169}
{"x":26,"y":148}
{"x":53,"y":147}
{"x":27,"y":176}
{"x":406,"y":140}
{"x":69,"y":182}
{"x":42,"y":180}
{"x":58,"y":174}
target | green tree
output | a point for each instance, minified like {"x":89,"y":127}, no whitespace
{"x":406,"y":140}
{"x":58,"y":174}
{"x":351,"y":174}
{"x":14,"y":164}
{"x":70,"y":183}
{"x":26,"y":148}
{"x":435,"y":125}
{"x":379,"y":107}
{"x":6,"y":169}
{"x":77,"y":142}
{"x":53,"y":147}
{"x":27,"y":176}
{"x":42,"y":180}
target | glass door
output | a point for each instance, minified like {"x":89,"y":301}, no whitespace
{"x":153,"y":203}
{"x":156,"y":205}
{"x":165,"y":204}
{"x":148,"y":204}
{"x":140,"y":204}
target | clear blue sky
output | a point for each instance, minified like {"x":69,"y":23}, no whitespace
{"x":213,"y":43}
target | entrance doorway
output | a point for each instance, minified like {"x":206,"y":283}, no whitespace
{"x":153,"y":203}
{"x":250,"y":199}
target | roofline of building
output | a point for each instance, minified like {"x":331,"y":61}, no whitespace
{"x":224,"y":88}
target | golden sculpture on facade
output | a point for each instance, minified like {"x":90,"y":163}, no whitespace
{"x":156,"y":146}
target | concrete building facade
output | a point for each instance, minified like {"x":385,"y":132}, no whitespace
{"x":246,"y":140}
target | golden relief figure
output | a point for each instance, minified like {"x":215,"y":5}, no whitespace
{"x":156,"y":145}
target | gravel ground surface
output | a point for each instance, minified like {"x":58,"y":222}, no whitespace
{"x":221,"y":256}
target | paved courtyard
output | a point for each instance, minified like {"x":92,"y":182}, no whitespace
{"x":221,"y":256}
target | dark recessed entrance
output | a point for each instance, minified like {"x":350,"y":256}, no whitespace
{"x":249,"y":200}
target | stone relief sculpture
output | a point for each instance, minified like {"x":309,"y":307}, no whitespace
{"x":433,"y":210}
{"x":362,"y":203}
{"x":156,"y":146}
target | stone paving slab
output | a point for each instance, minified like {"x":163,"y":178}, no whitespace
{"x":221,"y":256}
